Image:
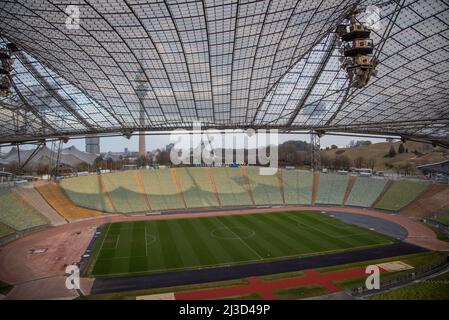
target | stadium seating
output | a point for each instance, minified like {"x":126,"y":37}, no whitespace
{"x":265,"y":188}
{"x":85,"y":192}
{"x":5,"y":230}
{"x":365,"y":191}
{"x":161,"y":189}
{"x":196,"y":187}
{"x":124,"y":192}
{"x":62,"y":204}
{"x":16,"y":214}
{"x":400,"y":194}
{"x":297,"y":186}
{"x":230,"y":187}
{"x":331,"y":188}
{"x":32,"y":197}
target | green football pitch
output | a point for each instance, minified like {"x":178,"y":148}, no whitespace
{"x":156,"y":246}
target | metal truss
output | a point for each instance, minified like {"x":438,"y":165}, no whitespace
{"x":137,"y":65}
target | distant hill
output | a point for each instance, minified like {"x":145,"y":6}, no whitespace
{"x":418,"y":153}
{"x":296,"y":145}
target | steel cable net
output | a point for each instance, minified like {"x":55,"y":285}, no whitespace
{"x":158,"y":65}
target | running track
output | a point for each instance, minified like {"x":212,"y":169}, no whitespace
{"x":42,"y":276}
{"x":266,"y":289}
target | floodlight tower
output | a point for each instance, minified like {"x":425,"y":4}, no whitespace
{"x":315,"y":157}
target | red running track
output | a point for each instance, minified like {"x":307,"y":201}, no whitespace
{"x":266,"y":289}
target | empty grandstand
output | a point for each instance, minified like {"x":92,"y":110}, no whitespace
{"x":33,"y":198}
{"x":265,"y":188}
{"x":124,"y":192}
{"x":161,"y":189}
{"x":16,"y":214}
{"x":298,"y":186}
{"x":179,"y":188}
{"x":230,"y":187}
{"x":196,"y":186}
{"x":5,"y":230}
{"x":365,"y":191}
{"x":85,"y":192}
{"x":399,"y":194}
{"x":58,"y":200}
{"x":331,"y":188}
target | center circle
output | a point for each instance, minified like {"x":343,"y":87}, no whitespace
{"x":232,"y":233}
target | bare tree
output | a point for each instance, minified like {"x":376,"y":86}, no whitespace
{"x":359,"y":162}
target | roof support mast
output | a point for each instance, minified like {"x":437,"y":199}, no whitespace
{"x":52,"y":91}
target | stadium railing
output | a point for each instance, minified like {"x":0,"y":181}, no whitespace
{"x":402,"y":278}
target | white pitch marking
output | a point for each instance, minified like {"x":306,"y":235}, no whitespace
{"x":244,"y":242}
{"x":146,"y":242}
{"x":116,"y":243}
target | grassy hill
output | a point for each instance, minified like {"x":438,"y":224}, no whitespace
{"x":418,"y":153}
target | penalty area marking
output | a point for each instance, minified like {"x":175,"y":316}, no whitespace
{"x":104,"y":238}
{"x":150,"y":237}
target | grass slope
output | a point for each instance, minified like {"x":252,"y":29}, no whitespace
{"x":432,"y":289}
{"x":170,"y":245}
{"x":443,"y":218}
{"x":377,"y":152}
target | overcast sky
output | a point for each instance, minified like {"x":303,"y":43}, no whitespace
{"x":160,"y":141}
{"x":117,"y":144}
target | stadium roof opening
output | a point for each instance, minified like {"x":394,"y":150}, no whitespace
{"x":101,"y":67}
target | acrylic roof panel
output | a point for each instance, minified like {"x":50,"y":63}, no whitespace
{"x":153,"y":65}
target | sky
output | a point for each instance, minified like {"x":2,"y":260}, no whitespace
{"x":117,"y":144}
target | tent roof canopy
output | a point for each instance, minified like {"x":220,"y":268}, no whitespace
{"x":160,"y":65}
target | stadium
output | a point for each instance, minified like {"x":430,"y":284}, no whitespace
{"x":308,"y":223}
